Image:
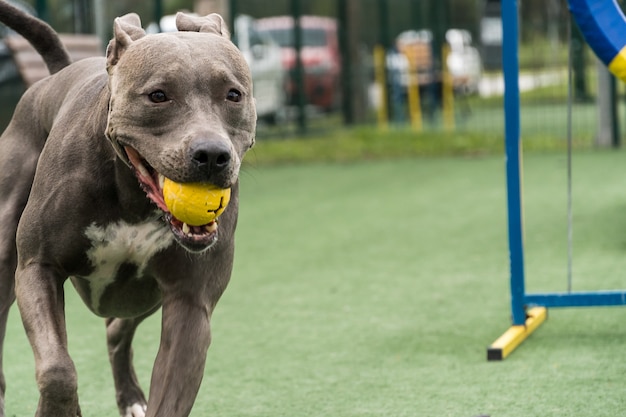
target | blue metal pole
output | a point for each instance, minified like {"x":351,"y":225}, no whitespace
{"x":577,"y":299}
{"x":510,"y":66}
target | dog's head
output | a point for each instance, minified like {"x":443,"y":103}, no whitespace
{"x":181,"y":107}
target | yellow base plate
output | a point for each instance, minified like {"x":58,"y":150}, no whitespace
{"x":512,"y":338}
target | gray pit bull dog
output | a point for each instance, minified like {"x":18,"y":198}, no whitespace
{"x":80,"y":170}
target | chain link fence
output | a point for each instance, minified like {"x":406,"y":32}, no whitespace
{"x":422,"y":65}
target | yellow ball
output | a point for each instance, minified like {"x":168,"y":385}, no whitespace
{"x":195,"y":203}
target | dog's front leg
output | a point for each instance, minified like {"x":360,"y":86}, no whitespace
{"x":41,"y":302}
{"x":179,"y":365}
{"x":7,"y":297}
{"x":130,"y":398}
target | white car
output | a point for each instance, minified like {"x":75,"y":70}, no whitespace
{"x":263,"y":55}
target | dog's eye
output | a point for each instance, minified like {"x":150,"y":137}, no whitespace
{"x":234,"y":95}
{"x":157,"y":97}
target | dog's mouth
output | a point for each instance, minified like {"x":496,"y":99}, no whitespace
{"x":192,"y":238}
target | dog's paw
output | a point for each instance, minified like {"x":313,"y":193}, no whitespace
{"x":136,"y":410}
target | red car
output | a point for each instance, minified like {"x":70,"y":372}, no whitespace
{"x":319,"y":54}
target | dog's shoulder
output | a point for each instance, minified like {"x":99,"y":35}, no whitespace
{"x":78,"y":91}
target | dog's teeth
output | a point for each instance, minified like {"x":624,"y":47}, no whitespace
{"x":211,"y":227}
{"x":161,"y":180}
{"x":142,"y":170}
{"x":186,"y":228}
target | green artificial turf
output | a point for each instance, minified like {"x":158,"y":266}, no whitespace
{"x":373,"y":289}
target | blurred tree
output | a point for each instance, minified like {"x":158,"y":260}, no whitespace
{"x":172,"y":6}
{"x":536,"y":18}
{"x":403,"y":14}
{"x":76,"y":15}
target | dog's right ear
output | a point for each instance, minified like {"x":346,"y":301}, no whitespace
{"x":212,"y":23}
{"x":126,"y":29}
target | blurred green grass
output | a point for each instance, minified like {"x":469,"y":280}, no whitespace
{"x":478,"y":130}
{"x":372,"y":288}
{"x":372,"y":143}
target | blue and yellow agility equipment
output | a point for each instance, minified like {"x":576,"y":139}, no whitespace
{"x":604,"y":27}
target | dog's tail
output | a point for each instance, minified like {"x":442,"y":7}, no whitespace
{"x":39,"y":34}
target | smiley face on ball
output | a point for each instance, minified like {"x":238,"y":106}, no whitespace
{"x":195,"y":204}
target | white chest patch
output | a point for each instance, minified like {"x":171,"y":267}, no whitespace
{"x":122,"y":243}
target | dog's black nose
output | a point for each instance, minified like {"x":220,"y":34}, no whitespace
{"x":210,"y":156}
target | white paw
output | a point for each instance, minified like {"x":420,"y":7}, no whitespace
{"x":136,"y":410}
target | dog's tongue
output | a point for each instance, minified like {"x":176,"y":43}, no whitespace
{"x":148,"y":181}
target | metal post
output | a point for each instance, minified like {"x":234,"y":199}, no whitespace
{"x":381,"y":81}
{"x":385,"y":42}
{"x":232,"y":14}
{"x":42,"y":10}
{"x":99,"y":22}
{"x":299,"y":68}
{"x":158,"y":12}
{"x":345,"y":26}
{"x":438,"y":28}
{"x":607,"y":135}
{"x":512,"y":132}
{"x":383,"y":19}
{"x":616,"y":128}
{"x":578,"y":62}
{"x":82,"y":16}
{"x":417,"y":20}
{"x":438,"y":20}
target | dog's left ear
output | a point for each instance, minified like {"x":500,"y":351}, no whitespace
{"x":212,"y":23}
{"x":126,"y":30}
